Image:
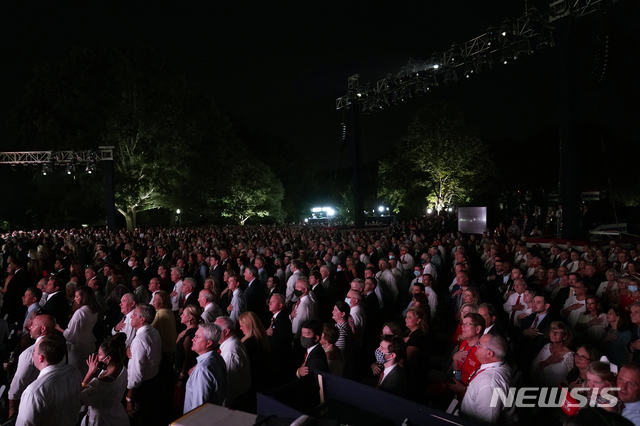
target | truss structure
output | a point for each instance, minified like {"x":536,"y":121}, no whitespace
{"x":513,"y":38}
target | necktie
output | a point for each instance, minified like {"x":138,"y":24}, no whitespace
{"x":381,"y":377}
{"x":294,"y":312}
{"x":304,"y":361}
{"x":535,"y":323}
{"x":512,"y":318}
{"x":352,"y":325}
{"x":272,"y":318}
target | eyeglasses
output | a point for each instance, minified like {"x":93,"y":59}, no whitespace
{"x":557,"y":332}
{"x":469,"y":324}
{"x":584,"y":357}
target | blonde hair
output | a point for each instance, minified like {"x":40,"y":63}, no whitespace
{"x":255,"y":329}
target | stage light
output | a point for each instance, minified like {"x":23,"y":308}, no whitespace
{"x":469,"y":69}
{"x":46,"y":168}
{"x":523,"y":48}
{"x":429,"y":211}
{"x":381,"y":209}
{"x":431,"y":83}
{"x":70,"y":169}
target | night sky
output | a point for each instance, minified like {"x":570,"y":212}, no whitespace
{"x":278,"y":67}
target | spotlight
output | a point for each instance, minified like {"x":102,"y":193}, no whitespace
{"x":70,"y":169}
{"x":380,"y":209}
{"x":436,"y":61}
{"x":508,"y":54}
{"x":46,"y":168}
{"x":90,"y":168}
{"x":431,"y":83}
{"x":492,"y":35}
{"x":421,"y":88}
{"x":469,"y":69}
{"x":456,"y":53}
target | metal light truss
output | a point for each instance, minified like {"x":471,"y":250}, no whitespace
{"x":57,"y":157}
{"x":512,"y":34}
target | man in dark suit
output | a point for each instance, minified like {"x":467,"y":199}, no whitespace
{"x":315,"y":280}
{"x":391,"y":378}
{"x":532,"y":331}
{"x":189,"y":292}
{"x":256,"y":294}
{"x":280,"y":336}
{"x":19,"y":283}
{"x":315,"y":359}
{"x":61,"y":271}
{"x":56,"y":305}
{"x":136,"y":270}
{"x":164,"y":259}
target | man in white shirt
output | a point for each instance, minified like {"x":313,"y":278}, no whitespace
{"x":515,"y":303}
{"x":354,"y":299}
{"x":54,"y":397}
{"x":127,"y":305}
{"x":176,"y":294}
{"x":387,"y":282}
{"x":210,"y":311}
{"x":236,"y":359}
{"x":144,"y":364}
{"x":291,"y":282}
{"x":238,"y":303}
{"x":305,"y":308}
{"x":493,"y":373}
{"x":26,"y":372}
{"x":154,"y":286}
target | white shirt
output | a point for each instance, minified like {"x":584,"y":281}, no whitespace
{"x":291,"y":286}
{"x":26,"y":372}
{"x":53,"y":398}
{"x":359,"y":323}
{"x":80,"y":329}
{"x":177,"y":299}
{"x":407,"y":262}
{"x":207,"y":383}
{"x":433,"y":300}
{"x":631,"y":412}
{"x":306,"y":310}
{"x":387,"y":281}
{"x":512,"y":301}
{"x":211,"y":312}
{"x":429,"y":268}
{"x":238,"y":368}
{"x":146,"y":351}
{"x":128,"y":330}
{"x":239,"y":304}
{"x":476,"y":404}
{"x":387,"y":370}
{"x":572,"y":319}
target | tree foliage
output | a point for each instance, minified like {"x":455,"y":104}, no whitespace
{"x":439,"y":162}
{"x":173,"y":147}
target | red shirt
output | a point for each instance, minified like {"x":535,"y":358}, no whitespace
{"x":470,"y":364}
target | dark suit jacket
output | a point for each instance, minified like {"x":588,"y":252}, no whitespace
{"x":323,"y":302}
{"x":58,"y":307}
{"x":530,"y":347}
{"x":281,"y":339}
{"x":256,"y":295}
{"x":395,"y":382}
{"x":192,"y":299}
{"x":317,"y":360}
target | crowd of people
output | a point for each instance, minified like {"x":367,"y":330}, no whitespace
{"x":117,"y":328}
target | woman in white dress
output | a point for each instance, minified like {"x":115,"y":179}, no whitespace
{"x":555,"y":359}
{"x":79,"y":334}
{"x":103,"y":389}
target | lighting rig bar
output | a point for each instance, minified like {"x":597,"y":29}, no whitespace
{"x":57,"y":157}
{"x":513,"y":38}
